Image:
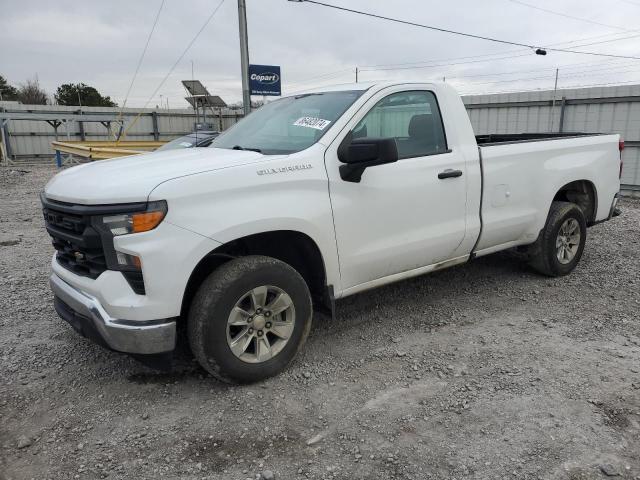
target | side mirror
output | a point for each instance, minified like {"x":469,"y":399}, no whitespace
{"x":359,"y":153}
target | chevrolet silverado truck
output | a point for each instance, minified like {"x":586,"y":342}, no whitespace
{"x":311,"y":198}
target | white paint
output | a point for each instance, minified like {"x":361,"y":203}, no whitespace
{"x":399,"y":221}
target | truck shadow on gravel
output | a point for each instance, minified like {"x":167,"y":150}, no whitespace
{"x":442,"y":287}
{"x":173,"y":376}
{"x":184,"y":369}
{"x":457,"y":285}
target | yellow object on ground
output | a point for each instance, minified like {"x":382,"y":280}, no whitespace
{"x":101,"y":150}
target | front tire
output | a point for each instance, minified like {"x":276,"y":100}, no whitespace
{"x":249,"y":319}
{"x":561,"y":242}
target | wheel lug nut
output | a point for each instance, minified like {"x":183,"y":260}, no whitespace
{"x":258,"y":310}
{"x":268,"y":325}
{"x":267,"y":314}
{"x":259,"y":333}
{"x":251,"y":330}
{"x":250,"y":319}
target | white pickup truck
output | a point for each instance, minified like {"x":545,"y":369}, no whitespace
{"x":311,"y":198}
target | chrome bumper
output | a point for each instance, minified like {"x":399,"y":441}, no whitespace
{"x":87,"y":316}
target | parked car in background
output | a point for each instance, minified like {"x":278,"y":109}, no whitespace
{"x":312,"y":198}
{"x":195,"y":139}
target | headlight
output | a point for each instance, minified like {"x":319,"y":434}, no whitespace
{"x":136,"y":222}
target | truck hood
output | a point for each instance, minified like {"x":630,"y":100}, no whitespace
{"x":131,"y":179}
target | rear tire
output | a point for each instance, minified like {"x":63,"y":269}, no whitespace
{"x":561,"y":242}
{"x":249,"y":319}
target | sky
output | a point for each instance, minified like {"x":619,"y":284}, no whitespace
{"x":100,"y":44}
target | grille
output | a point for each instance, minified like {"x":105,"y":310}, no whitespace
{"x":78,"y":245}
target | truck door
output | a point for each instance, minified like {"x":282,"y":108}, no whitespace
{"x":402,"y":215}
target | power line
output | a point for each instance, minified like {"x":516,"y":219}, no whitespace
{"x":564,"y":68}
{"x":330,"y":74}
{"x":421,"y":64}
{"x":513,"y":51}
{"x":575,"y":74}
{"x":565,"y":76}
{"x":602,"y":66}
{"x":606,"y":65}
{"x":144,"y":51}
{"x":464,"y":34}
{"x":415,"y":65}
{"x":560,"y":14}
{"x":406,"y":22}
{"x":317,"y":86}
{"x":175,"y":64}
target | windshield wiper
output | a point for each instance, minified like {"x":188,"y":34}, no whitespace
{"x":238,"y":147}
{"x":304,"y":95}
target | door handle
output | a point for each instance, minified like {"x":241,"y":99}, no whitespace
{"x":450,"y":173}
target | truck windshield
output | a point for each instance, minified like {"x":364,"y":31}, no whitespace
{"x":287,"y":125}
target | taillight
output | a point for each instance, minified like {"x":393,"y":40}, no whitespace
{"x":620,"y":148}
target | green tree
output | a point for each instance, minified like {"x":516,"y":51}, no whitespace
{"x":80,"y":94}
{"x":7,"y":92}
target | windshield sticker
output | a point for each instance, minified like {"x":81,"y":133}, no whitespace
{"x":312,"y":122}
{"x":185,"y":144}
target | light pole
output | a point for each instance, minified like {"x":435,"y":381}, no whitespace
{"x":244,"y":56}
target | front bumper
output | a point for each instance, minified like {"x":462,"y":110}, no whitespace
{"x":87,"y":316}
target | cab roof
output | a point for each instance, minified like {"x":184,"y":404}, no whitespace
{"x":361,"y":86}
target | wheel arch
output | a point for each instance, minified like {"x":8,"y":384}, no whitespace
{"x":583,"y":193}
{"x":295,"y":248}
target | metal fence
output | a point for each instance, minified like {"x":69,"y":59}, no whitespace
{"x":28,"y":130}
{"x":601,"y":109}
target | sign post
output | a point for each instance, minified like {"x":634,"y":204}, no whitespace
{"x":244,"y":55}
{"x":264,"y":80}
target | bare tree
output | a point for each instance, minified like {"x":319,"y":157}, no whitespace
{"x":31,"y":93}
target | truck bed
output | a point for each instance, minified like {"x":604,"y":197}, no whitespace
{"x":521,"y":174}
{"x":499,"y":138}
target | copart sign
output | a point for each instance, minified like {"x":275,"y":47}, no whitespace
{"x":264,"y":80}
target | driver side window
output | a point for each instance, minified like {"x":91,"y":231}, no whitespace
{"x":412,"y":118}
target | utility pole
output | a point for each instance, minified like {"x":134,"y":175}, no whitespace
{"x":356,"y":74}
{"x":244,"y":56}
{"x":553,"y":102}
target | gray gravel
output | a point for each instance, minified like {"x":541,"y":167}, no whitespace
{"x":483,"y":371}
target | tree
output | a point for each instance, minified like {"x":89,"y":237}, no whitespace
{"x":31,"y":93}
{"x":7,"y":92}
{"x":79,"y":94}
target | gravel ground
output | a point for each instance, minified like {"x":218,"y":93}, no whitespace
{"x":482,"y":371}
